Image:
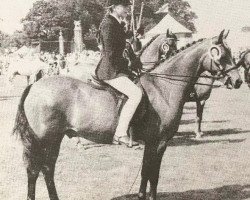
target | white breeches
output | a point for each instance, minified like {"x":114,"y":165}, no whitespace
{"x":134,"y":94}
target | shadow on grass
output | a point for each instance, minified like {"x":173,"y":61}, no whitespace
{"x":227,"y":192}
{"x":220,"y":132}
{"x":187,"y":138}
{"x":192,"y":121}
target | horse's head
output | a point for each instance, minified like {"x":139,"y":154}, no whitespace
{"x":168,"y":46}
{"x":245,"y":59}
{"x":220,"y":63}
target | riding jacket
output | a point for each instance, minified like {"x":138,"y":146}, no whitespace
{"x":112,"y":38}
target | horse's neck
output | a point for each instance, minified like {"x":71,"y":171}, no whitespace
{"x":150,"y":53}
{"x":185,"y":63}
{"x":175,"y":76}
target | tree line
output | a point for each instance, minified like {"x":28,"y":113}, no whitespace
{"x":47,"y":17}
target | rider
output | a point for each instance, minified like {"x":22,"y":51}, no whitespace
{"x":113,"y":69}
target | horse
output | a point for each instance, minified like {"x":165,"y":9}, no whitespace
{"x":244,"y":61}
{"x":57,"y":106}
{"x":159,"y":47}
{"x":204,"y":85}
{"x":29,"y":68}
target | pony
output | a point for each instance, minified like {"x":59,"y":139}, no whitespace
{"x":57,"y":106}
{"x":204,"y":85}
{"x":159,"y":47}
{"x":28,"y":67}
{"x":244,"y":61}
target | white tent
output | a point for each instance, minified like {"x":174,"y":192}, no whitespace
{"x":168,"y":22}
{"x":183,"y":34}
{"x":22,"y":51}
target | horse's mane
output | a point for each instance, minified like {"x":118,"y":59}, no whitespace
{"x":176,"y":53}
{"x":147,"y":44}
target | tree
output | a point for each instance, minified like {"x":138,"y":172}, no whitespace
{"x":181,"y":11}
{"x":47,"y":17}
{"x":17,"y":39}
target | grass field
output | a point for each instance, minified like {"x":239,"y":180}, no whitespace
{"x":216,"y":167}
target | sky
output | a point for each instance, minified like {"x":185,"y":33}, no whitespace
{"x":213,"y":15}
{"x":11,"y":12}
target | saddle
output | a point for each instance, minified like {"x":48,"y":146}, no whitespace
{"x":101,"y":85}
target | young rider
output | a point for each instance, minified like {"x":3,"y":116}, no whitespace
{"x":113,"y":69}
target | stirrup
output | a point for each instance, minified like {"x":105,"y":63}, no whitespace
{"x":124,"y":140}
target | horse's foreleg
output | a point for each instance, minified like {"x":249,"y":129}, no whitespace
{"x":28,"y":80}
{"x":144,"y":173}
{"x":155,"y":168}
{"x":151,"y":168}
{"x":200,"y":106}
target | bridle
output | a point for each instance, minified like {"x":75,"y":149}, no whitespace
{"x":165,"y":48}
{"x":215,"y":63}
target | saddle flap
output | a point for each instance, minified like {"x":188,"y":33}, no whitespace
{"x":97,"y":83}
{"x":101,"y":85}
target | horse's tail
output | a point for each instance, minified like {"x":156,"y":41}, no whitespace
{"x":22,"y":128}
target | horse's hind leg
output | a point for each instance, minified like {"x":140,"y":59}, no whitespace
{"x":33,"y":158}
{"x":48,"y":168}
{"x":200,"y":108}
{"x":32,"y":173}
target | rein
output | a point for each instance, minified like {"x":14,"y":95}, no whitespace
{"x":175,"y":78}
{"x":221,"y":74}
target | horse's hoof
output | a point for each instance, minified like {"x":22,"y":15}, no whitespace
{"x":199,"y":135}
{"x":141,"y":196}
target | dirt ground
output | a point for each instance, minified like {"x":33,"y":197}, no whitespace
{"x":216,"y":167}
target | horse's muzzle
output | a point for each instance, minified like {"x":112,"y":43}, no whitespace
{"x":238,"y":83}
{"x":230,"y":85}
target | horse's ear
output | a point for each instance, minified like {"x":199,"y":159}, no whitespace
{"x":167,"y":33}
{"x":225,"y":36}
{"x":220,"y":39}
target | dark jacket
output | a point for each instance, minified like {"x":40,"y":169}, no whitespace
{"x":113,"y":41}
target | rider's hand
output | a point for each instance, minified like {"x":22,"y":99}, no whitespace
{"x":140,"y":30}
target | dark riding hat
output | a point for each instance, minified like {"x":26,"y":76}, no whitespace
{"x":119,"y":2}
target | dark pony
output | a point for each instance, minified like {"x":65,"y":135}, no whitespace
{"x":57,"y":106}
{"x":244,"y":61}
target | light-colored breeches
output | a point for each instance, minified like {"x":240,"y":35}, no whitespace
{"x":134,"y":94}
